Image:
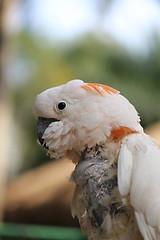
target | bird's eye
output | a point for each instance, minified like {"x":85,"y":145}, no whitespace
{"x":61,"y":106}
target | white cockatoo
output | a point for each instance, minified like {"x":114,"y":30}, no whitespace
{"x":117,"y":173}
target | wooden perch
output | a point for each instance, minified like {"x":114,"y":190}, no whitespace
{"x":154,"y":131}
{"x":41,"y":196}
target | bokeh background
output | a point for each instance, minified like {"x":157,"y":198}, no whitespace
{"x":47,"y":43}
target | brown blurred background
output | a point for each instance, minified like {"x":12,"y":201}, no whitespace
{"x":47,"y":43}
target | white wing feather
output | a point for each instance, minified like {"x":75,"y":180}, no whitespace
{"x":139,"y":177}
{"x":124,"y":170}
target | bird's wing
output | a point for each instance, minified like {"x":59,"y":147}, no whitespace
{"x":139,"y":178}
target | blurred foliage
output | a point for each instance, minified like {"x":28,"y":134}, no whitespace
{"x":91,"y":59}
{"x":48,"y":69}
{"x":136,"y":76}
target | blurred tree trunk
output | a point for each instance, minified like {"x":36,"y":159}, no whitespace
{"x":5,"y":104}
{"x":4,"y":4}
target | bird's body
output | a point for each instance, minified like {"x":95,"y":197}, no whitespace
{"x":97,"y":202}
{"x":117,"y":193}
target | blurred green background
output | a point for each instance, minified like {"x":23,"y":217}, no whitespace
{"x":47,"y":43}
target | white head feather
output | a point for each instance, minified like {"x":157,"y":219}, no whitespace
{"x":91,"y":113}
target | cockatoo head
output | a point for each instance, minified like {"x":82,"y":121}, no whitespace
{"x":77,"y":115}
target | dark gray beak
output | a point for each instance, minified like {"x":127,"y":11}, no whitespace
{"x":42,"y":124}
